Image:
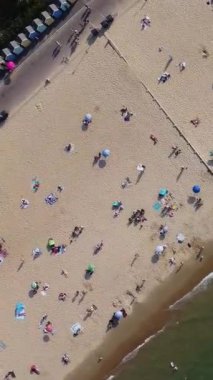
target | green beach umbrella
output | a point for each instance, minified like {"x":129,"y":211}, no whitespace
{"x":51,"y":243}
{"x":34,"y":285}
{"x":91,"y":268}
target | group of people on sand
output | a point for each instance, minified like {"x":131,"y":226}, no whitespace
{"x":138,"y":216}
{"x":55,"y":249}
{"x":98,"y":247}
{"x":126,"y":114}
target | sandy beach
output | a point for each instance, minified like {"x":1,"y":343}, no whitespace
{"x":99,"y":81}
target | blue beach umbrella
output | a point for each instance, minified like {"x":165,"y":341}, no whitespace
{"x":106,"y":153}
{"x":88,"y":118}
{"x":196,"y":189}
{"x":118,"y":315}
{"x":163,"y":192}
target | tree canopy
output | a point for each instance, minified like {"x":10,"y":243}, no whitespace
{"x":15,"y":15}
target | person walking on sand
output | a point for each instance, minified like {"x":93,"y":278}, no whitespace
{"x":58,"y":43}
{"x":182,"y":66}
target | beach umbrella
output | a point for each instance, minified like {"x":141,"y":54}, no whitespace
{"x":51,"y":243}
{"x":91,"y":268}
{"x":163,"y":192}
{"x":76,"y":328}
{"x":118,"y":315}
{"x":106,"y":153}
{"x":159,"y":249}
{"x":196,"y":189}
{"x":180,"y":237}
{"x":10,"y":65}
{"x":49,"y":328}
{"x":88,"y":118}
{"x":140,"y":168}
{"x":34,"y":285}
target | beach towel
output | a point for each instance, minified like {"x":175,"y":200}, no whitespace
{"x":35,"y":185}
{"x":157,"y":206}
{"x":51,"y":199}
{"x":20,"y":311}
{"x":2,"y":346}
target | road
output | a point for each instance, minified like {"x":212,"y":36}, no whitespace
{"x":41,"y":63}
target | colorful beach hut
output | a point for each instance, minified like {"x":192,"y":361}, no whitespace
{"x":63,"y":5}
{"x":47,"y":18}
{"x":2,"y":61}
{"x":16,"y":48}
{"x":23,"y":40}
{"x":55,"y":12}
{"x":31,"y":33}
{"x":8,"y":55}
{"x":39,"y":25}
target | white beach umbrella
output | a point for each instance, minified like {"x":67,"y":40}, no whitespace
{"x":88,"y":117}
{"x":159,"y":249}
{"x":180,"y":237}
{"x":140,"y":168}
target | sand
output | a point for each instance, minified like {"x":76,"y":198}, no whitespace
{"x":32,"y":144}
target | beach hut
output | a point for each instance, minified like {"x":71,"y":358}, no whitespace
{"x":23,"y":40}
{"x":31,"y":33}
{"x":8,"y":55}
{"x":16,"y":48}
{"x":2,"y":61}
{"x":55,"y":12}
{"x":39,"y":25}
{"x":72,"y":2}
{"x":63,"y":5}
{"x":46,"y":18}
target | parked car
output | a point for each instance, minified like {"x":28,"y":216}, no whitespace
{"x":3,"y":116}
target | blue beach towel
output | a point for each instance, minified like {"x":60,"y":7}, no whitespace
{"x":51,"y":199}
{"x":20,"y":311}
{"x":157,"y":206}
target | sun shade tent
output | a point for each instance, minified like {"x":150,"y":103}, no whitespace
{"x":46,"y":18}
{"x":8,"y":55}
{"x":63,"y":5}
{"x":55,"y":11}
{"x":39,"y":25}
{"x":32,"y":34}
{"x":16,"y":48}
{"x":23,"y":40}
